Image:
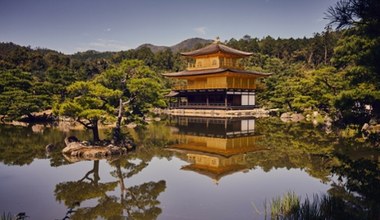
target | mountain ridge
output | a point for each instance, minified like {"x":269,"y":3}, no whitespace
{"x":185,"y":45}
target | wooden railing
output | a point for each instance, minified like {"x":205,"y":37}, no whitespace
{"x":213,"y":86}
{"x":199,"y":86}
{"x":202,"y":67}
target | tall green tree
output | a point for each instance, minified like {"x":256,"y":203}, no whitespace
{"x":356,"y":13}
{"x":164,"y":60}
{"x":18,"y":95}
{"x":89,"y":103}
{"x":141,"y":88}
{"x":357,"y":54}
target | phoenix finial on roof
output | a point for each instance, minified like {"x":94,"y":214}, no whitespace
{"x":217,"y":40}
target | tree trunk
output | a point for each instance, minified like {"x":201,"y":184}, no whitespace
{"x":95,"y":130}
{"x":31,"y":117}
{"x":289,"y":105}
{"x":117,"y":132}
{"x":121,"y":179}
{"x":96,"y":171}
{"x":310,"y":59}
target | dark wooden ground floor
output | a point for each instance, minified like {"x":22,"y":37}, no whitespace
{"x":213,"y":99}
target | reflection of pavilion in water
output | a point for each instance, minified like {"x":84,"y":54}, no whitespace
{"x":215,"y":147}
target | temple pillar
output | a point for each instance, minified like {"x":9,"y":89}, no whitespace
{"x":225,"y":99}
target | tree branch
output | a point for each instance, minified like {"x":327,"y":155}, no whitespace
{"x":104,"y":102}
{"x":87,"y":125}
{"x":86,"y":176}
{"x":328,"y":85}
{"x":2,"y":118}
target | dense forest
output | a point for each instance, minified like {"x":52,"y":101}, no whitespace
{"x":335,"y":72}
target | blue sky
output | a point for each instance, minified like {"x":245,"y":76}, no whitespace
{"x":70,"y":26}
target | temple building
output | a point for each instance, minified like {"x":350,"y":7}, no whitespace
{"x":215,"y":79}
{"x":215,"y":147}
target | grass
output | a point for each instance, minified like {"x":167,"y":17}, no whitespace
{"x":286,"y":205}
{"x":290,"y":206}
{"x":7,"y":216}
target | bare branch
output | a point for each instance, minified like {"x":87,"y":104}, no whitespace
{"x":129,"y":100}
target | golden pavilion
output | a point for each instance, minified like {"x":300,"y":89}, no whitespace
{"x":215,"y":79}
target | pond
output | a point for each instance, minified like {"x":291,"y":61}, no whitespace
{"x":188,"y":168}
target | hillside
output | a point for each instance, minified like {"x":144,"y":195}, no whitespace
{"x":186,"y":45}
{"x":153,"y":48}
{"x":190,"y":44}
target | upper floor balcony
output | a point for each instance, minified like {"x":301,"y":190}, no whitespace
{"x":214,"y":62}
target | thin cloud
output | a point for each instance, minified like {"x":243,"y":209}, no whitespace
{"x":106,"y":45}
{"x":320,"y":19}
{"x":200,"y":30}
{"x":108,"y":30}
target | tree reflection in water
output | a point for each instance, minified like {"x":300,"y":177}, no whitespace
{"x":355,"y":195}
{"x":138,"y":202}
{"x":358,"y":187}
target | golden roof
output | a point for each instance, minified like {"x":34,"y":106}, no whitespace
{"x":216,"y":47}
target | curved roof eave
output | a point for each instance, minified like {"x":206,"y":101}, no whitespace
{"x":214,"y":71}
{"x":215,"y":48}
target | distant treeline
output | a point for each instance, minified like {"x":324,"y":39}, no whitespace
{"x":314,"y":51}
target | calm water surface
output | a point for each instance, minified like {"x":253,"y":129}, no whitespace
{"x":183,"y":168}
